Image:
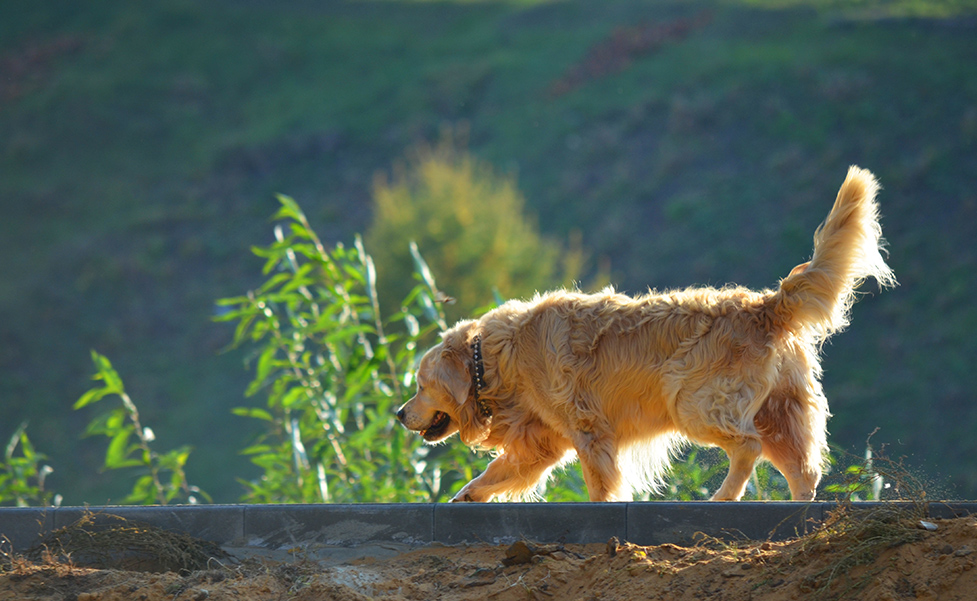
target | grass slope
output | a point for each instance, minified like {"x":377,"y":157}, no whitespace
{"x":689,"y":142}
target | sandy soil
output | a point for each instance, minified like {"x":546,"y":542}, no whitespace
{"x":883,"y":560}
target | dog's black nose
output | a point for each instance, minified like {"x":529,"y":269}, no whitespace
{"x":400,"y":414}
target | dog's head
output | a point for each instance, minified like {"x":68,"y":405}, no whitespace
{"x":445,"y":401}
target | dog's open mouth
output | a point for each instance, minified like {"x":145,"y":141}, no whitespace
{"x":438,"y":427}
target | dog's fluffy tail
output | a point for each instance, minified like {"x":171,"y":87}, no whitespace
{"x":818,"y":295}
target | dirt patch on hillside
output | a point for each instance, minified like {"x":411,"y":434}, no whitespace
{"x":881,"y":556}
{"x":622,"y":47}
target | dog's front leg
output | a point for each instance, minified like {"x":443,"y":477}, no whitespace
{"x":601,"y":473}
{"x":501,"y":477}
{"x":471,"y":493}
{"x":506,"y":475}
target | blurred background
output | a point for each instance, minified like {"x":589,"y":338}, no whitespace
{"x":648,"y":144}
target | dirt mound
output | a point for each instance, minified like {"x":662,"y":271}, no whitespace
{"x":882,"y":554}
{"x":112,"y":542}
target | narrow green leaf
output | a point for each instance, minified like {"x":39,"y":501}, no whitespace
{"x":299,"y":231}
{"x":430,"y":311}
{"x":349,"y":333}
{"x":15,"y":440}
{"x":252,"y":412}
{"x":116,"y":455}
{"x":371,"y":280}
{"x":421,"y":267}
{"x":266,"y":364}
{"x":256,"y":449}
{"x":273,"y":281}
{"x":289,"y":209}
{"x":107,"y":373}
{"x":92,"y":396}
{"x":26,"y":448}
{"x":294,"y":397}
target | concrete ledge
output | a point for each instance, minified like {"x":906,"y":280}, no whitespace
{"x":657,"y":523}
{"x":291,"y":526}
{"x":504,"y":523}
{"x":395,"y":527}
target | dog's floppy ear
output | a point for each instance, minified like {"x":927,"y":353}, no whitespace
{"x":456,"y":367}
{"x":454,"y":372}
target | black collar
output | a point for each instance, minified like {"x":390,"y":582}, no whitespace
{"x":478,"y":376}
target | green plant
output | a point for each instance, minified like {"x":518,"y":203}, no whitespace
{"x":120,"y":425}
{"x":22,"y":476}
{"x":876,"y":477}
{"x":860,"y":481}
{"x":334,"y":372}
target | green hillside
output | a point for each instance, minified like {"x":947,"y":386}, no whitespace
{"x":687,"y":142}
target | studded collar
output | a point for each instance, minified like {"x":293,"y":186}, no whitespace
{"x":478,"y":376}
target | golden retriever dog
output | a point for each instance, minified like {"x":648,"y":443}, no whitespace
{"x":620,"y":382}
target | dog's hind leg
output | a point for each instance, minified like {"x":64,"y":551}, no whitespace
{"x":793,"y":436}
{"x":743,"y":453}
{"x":802,"y":475}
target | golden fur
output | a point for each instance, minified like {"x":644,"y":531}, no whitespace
{"x":619,"y":381}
